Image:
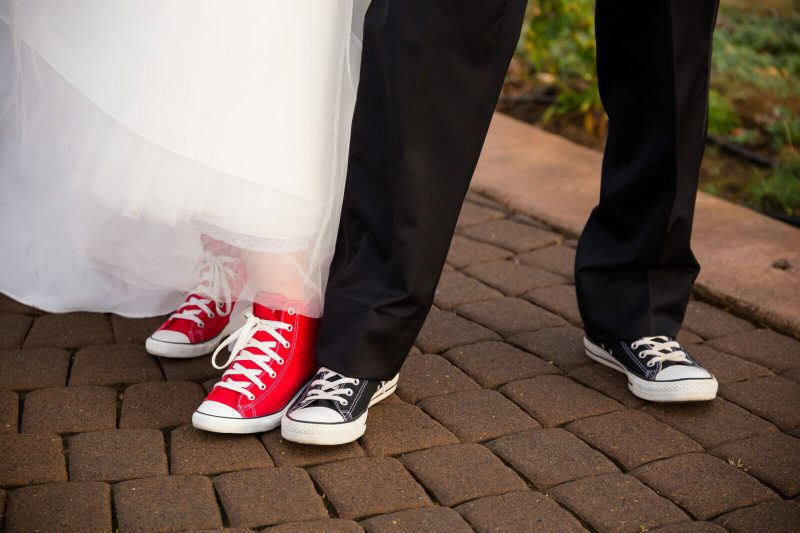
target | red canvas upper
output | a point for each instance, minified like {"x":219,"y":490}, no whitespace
{"x":299,"y":364}
{"x":221,"y":277}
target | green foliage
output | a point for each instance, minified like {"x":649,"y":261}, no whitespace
{"x":755,"y":85}
{"x":722,"y":116}
{"x":779,"y":190}
{"x":757,"y":51}
{"x":559,"y":45}
{"x":785,"y":130}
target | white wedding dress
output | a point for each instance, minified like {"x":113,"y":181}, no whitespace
{"x":128,"y":128}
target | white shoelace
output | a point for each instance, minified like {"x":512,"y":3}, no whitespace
{"x":662,"y":349}
{"x":242,"y":340}
{"x":330,"y":389}
{"x":214,"y":285}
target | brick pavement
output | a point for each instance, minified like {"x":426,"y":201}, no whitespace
{"x":500,"y":423}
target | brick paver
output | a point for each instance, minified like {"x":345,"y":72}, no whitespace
{"x":509,"y":316}
{"x":328,"y":525}
{"x":690,"y":527}
{"x":608,"y":381}
{"x":247,"y":506}
{"x":28,"y":459}
{"x":134,"y":330}
{"x":725,"y":367}
{"x":70,"y":410}
{"x":193,"y":451}
{"x":464,"y":252}
{"x":13,"y":328}
{"x":395,"y":428}
{"x":632,"y":438}
{"x":774,"y":458}
{"x":363,"y":487}
{"x":423,"y":376}
{"x":117,"y":455}
{"x":704,"y":485}
{"x":70,"y":330}
{"x":160,"y":404}
{"x":286,"y":453}
{"x":557,"y":259}
{"x":563,"y":346}
{"x":121,"y":364}
{"x":762,"y":346}
{"x":456,"y":289}
{"x":556,"y":400}
{"x":478,"y":415}
{"x":512,"y":235}
{"x":710,"y":322}
{"x":493,"y":363}
{"x":635,"y":507}
{"x":560,"y":300}
{"x":472,"y":214}
{"x":710,"y":423}
{"x":775,"y":517}
{"x":460,"y":446}
{"x":443,"y":330}
{"x":513,"y":278}
{"x":424,"y":519}
{"x":166,"y":503}
{"x":686,"y":337}
{"x":194,"y":369}
{"x":774,"y":398}
{"x":9,"y":305}
{"x":549,"y":457}
{"x":461,"y":472}
{"x":66,"y":506}
{"x":518,"y":511}
{"x":9,"y":411}
{"x":33,"y":369}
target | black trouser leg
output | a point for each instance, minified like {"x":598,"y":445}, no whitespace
{"x":634,"y":266}
{"x":430,"y":77}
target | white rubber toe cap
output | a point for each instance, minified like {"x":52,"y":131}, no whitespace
{"x":166,"y":335}
{"x":320,"y":415}
{"x":212,"y":408}
{"x":675,"y":372}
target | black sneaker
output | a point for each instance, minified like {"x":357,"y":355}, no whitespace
{"x":332,"y":408}
{"x":659,"y":369}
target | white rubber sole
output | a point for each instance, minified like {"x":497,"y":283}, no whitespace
{"x":332,"y":434}
{"x":686,"y":390}
{"x":175,"y":350}
{"x":240,"y":426}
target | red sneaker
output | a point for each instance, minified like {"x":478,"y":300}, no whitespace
{"x":272,"y":358}
{"x":198,"y":325}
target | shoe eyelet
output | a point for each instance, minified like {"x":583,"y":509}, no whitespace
{"x":273,"y":375}
{"x":345,"y":402}
{"x":287,"y":345}
{"x":650,"y":364}
{"x":211,"y":315}
{"x":289,"y":327}
{"x":262,"y":387}
{"x":291,"y":311}
{"x":356,"y":382}
{"x":349,"y":392}
{"x":279,"y":361}
{"x":251,"y":397}
{"x":202,"y":324}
